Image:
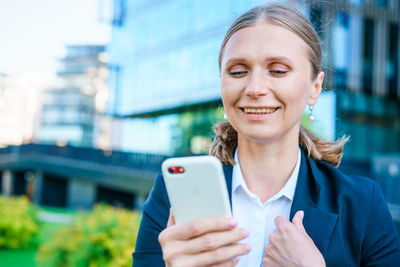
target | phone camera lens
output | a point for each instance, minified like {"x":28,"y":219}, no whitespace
{"x":171,"y":170}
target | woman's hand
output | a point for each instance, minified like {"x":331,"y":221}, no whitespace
{"x":203,"y":242}
{"x":290,"y":245}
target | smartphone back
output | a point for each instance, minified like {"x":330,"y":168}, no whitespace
{"x":196,"y":188}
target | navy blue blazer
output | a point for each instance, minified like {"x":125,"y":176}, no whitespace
{"x":346,"y":217}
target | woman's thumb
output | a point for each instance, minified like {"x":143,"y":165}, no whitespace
{"x":298,"y":220}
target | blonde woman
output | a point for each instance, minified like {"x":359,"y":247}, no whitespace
{"x":290,"y":205}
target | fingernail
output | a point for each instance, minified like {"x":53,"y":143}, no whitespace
{"x":248,"y":247}
{"x":232,"y":222}
{"x":245,"y":232}
{"x":302,"y":214}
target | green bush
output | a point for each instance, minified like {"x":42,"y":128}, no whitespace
{"x":104,"y":237}
{"x":18,"y":222}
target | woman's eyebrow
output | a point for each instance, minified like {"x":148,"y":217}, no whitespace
{"x":279,"y":58}
{"x":268,"y":59}
{"x":235,"y":60}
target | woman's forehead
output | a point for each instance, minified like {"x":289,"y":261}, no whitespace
{"x":265,"y":40}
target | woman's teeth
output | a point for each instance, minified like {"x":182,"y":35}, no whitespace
{"x":259,"y":110}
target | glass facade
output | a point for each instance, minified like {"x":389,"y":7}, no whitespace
{"x":392,"y":73}
{"x":381,"y":3}
{"x":368,"y":55}
{"x":67,"y":116}
{"x":341,"y":35}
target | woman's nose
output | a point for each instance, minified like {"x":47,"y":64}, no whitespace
{"x":258,"y":85}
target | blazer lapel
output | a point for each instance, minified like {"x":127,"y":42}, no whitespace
{"x":228,"y":178}
{"x":318,"y":222}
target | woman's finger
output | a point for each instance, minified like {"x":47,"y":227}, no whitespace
{"x":219,"y":255}
{"x":273,"y":259}
{"x":298,"y":220}
{"x":213,"y":240}
{"x":270,"y":253}
{"x":199,"y":227}
{"x":207,"y":242}
{"x":268,"y":262}
{"x":228,"y":263}
{"x":282,"y":223}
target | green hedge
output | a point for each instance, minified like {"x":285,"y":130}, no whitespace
{"x":18,"y":222}
{"x":104,"y":237}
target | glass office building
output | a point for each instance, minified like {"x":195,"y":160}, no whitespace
{"x":164,"y":76}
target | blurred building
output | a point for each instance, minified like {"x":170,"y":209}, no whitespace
{"x":362,"y":57}
{"x":19,"y":103}
{"x":386,"y":169}
{"x":74,"y":113}
{"x":164,"y":74}
{"x":164,"y":78}
{"x":77,"y":177}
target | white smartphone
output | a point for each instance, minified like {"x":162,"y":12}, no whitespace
{"x":196,"y":188}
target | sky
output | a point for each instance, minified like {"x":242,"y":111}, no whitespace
{"x":33,"y":33}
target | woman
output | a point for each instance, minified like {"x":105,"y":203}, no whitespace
{"x":290,"y":205}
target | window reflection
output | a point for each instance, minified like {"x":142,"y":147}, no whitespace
{"x":341,"y":45}
{"x":368,"y":53}
{"x":392,"y":72}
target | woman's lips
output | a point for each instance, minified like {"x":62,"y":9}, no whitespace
{"x":259,"y":110}
{"x":259,"y":113}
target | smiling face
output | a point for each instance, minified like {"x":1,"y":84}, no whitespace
{"x":266,"y":82}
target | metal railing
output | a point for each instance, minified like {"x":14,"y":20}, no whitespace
{"x":113,"y":158}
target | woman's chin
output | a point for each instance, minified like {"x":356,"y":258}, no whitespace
{"x":261,"y":137}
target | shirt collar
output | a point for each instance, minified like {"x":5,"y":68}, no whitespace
{"x":287,"y":190}
{"x":237,"y":177}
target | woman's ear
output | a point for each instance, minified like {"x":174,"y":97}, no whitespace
{"x":316,"y":88}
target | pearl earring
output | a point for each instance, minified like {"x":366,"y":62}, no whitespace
{"x":225,"y":116}
{"x":311,"y":116}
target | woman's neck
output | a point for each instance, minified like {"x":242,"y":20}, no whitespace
{"x":266,"y":167}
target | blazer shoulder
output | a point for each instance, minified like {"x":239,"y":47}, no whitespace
{"x":340,"y":182}
{"x":343,"y":194}
{"x":361,"y":210}
{"x":154,"y":220}
{"x":157,"y":204}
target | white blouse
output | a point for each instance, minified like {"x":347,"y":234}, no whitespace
{"x":258,"y":218}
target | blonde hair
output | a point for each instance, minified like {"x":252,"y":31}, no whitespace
{"x":225,"y":140}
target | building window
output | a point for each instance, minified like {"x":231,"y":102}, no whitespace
{"x":118,"y":13}
{"x":341,"y":46}
{"x":114,"y":88}
{"x":392,"y":71}
{"x":381,"y":3}
{"x":368,"y":54}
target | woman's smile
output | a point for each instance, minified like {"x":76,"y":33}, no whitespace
{"x":259,"y":113}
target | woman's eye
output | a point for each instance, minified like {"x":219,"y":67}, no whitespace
{"x":278,"y":69}
{"x":278,"y":72}
{"x":237,"y":73}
